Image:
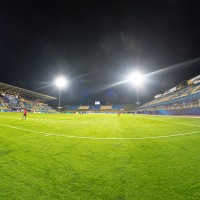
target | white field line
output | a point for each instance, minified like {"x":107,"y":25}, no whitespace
{"x":96,"y":138}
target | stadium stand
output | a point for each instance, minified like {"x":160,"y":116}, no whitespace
{"x":83,"y":108}
{"x":117,"y":107}
{"x":95,"y":107}
{"x":184,"y":96}
{"x":36,"y":106}
{"x":98,"y":108}
{"x":106,"y":107}
{"x":73,"y":107}
{"x":129,"y":107}
{"x":14,"y":98}
{"x":2,"y":105}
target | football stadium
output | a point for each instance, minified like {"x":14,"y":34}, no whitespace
{"x":121,"y":151}
{"x":99,"y":100}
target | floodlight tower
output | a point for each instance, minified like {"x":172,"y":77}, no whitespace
{"x":60,"y":82}
{"x":136,"y":79}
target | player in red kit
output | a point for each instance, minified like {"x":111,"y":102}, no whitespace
{"x":24,"y":115}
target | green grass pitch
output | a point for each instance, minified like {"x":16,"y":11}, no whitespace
{"x":99,"y":156}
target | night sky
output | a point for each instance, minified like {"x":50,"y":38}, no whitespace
{"x":96,"y":44}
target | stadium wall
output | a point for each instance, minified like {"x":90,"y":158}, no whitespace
{"x":183,"y":111}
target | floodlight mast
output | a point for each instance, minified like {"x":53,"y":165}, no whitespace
{"x":60,"y":82}
{"x":137,"y":94}
{"x":59,"y":98}
{"x":136,"y":79}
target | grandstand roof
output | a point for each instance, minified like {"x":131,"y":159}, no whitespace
{"x":25,"y":93}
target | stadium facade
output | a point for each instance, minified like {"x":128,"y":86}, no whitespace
{"x":183,"y":99}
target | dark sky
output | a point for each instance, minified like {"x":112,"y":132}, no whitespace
{"x":103,"y":40}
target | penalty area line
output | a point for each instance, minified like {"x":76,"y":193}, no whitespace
{"x":96,"y":138}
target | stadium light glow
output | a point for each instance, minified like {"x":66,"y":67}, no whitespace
{"x":61,"y":82}
{"x":136,"y":78}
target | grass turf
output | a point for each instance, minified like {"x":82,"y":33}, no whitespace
{"x":37,"y":165}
